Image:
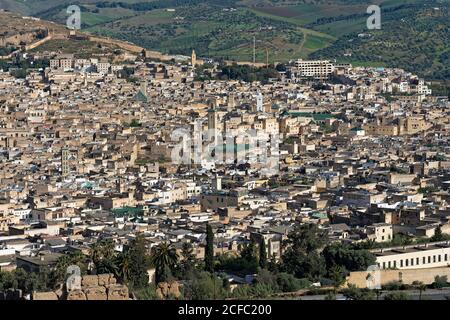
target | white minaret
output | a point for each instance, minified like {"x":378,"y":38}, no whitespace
{"x":193,"y":58}
{"x":217,"y":183}
{"x":259,"y":102}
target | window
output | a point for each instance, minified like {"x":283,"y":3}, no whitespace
{"x":406,"y":262}
{"x":412,"y":261}
{"x":389,"y":264}
{"x":429,"y":259}
{"x":445,"y":257}
{"x":439,"y":258}
{"x":417,"y":261}
{"x":395,"y":264}
{"x":424,"y":260}
{"x":384,"y":265}
{"x":401,"y":263}
{"x":434,"y":259}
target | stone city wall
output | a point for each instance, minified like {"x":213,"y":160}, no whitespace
{"x":426,"y":276}
{"x":93,"y":287}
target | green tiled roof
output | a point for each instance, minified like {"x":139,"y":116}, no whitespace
{"x":315,"y":116}
{"x":318,"y":215}
{"x":125,"y":211}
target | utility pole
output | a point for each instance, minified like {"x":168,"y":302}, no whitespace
{"x":254,"y":49}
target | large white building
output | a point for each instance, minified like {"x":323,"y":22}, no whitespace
{"x":430,"y":255}
{"x":315,"y":69}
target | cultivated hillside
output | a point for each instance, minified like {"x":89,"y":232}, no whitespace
{"x":414,"y":33}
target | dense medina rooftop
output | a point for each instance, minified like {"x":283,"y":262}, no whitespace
{"x":97,"y":168}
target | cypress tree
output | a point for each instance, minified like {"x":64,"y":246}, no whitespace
{"x":438,"y":235}
{"x":209,"y":250}
{"x":262,"y":254}
{"x":139,"y":263}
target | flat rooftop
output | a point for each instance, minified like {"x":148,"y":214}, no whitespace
{"x":410,"y":249}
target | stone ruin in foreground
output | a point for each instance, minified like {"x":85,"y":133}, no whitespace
{"x":93,"y":287}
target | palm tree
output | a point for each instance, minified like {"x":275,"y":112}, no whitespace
{"x":74,"y":258}
{"x":164,"y":258}
{"x":102,"y":255}
{"x":123,"y":270}
{"x":337,"y":275}
{"x":421,"y":287}
{"x":187,"y":264}
{"x":187,"y":252}
{"x":103,"y":249}
{"x":94,"y":253}
{"x":78,"y":258}
{"x":61,"y":267}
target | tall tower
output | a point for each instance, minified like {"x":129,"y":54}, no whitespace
{"x":217,"y":183}
{"x":134,"y":154}
{"x":212,"y":124}
{"x":118,"y":185}
{"x":231,"y":102}
{"x":194,"y":58}
{"x":143,"y":88}
{"x":65,"y":169}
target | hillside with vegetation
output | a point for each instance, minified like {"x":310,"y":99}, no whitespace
{"x":413,"y":36}
{"x":414,"y":33}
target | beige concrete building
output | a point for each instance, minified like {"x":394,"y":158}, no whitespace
{"x":380,"y":232}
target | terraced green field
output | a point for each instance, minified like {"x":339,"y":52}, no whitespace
{"x":217,"y":33}
{"x":414,"y":36}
